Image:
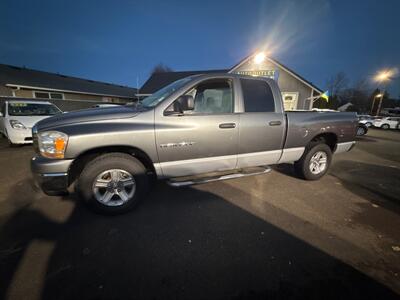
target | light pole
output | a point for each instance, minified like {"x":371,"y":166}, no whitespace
{"x":382,"y":77}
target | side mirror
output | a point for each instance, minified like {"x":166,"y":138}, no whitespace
{"x":180,"y":105}
{"x":186,"y":102}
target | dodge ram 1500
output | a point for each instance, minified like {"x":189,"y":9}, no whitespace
{"x":198,"y":129}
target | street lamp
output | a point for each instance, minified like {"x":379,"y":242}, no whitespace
{"x":383,"y":77}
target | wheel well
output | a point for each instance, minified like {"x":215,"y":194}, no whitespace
{"x":326,"y":138}
{"x":80,"y":162}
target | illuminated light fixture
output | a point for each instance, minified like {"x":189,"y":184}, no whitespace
{"x":378,"y":95}
{"x":384,"y":75}
{"x":259,"y":58}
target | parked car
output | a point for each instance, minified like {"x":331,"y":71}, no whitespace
{"x":387,"y":123}
{"x":17,"y":117}
{"x":367,"y":120}
{"x":198,"y":129}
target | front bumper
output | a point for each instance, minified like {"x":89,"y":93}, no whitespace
{"x":20,"y":136}
{"x":51,"y":175}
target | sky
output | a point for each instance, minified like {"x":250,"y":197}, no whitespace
{"x":121,"y":41}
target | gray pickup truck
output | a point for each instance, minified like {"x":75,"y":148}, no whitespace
{"x":198,"y":129}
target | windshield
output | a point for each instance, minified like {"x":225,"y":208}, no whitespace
{"x":165,"y":92}
{"x":31,"y":109}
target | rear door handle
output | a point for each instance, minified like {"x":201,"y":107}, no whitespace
{"x":227,"y":125}
{"x":275,"y":123}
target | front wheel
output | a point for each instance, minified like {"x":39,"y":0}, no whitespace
{"x":314,"y":163}
{"x":385,"y":126}
{"x":113,"y":183}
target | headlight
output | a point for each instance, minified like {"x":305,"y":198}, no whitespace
{"x":17,"y":124}
{"x":52,"y":144}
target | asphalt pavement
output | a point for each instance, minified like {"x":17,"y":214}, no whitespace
{"x":270,"y":236}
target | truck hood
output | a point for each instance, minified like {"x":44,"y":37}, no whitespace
{"x":89,"y":115}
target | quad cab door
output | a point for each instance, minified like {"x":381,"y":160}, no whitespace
{"x":262,"y":124}
{"x":202,"y":138}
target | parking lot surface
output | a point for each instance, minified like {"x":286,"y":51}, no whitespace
{"x":269,"y":236}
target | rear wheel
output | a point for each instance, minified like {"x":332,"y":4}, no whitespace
{"x":361,"y":131}
{"x":385,"y":126}
{"x":314,"y":163}
{"x":113,"y":183}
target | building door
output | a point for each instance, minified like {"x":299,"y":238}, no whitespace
{"x":290,"y":100}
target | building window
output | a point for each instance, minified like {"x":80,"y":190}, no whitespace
{"x":49,"y":95}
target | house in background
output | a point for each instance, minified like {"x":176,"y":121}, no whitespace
{"x":297,"y":92}
{"x":66,"y":92}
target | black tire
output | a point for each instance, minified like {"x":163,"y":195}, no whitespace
{"x":361,"y":130}
{"x":302,"y":166}
{"x":385,"y":126}
{"x":110,"y":161}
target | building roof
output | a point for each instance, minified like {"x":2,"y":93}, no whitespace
{"x":159,"y":80}
{"x":13,"y":76}
{"x":275,"y":62}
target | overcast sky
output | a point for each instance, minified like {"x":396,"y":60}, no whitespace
{"x":121,"y":41}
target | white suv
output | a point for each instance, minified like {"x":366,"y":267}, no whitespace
{"x":17,"y":118}
{"x":387,"y":123}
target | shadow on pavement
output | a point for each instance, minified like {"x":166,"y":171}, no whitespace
{"x":179,"y":244}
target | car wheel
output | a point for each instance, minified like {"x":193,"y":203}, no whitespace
{"x":385,"y":126}
{"x":361,"y":131}
{"x":314,"y":163}
{"x":113,"y":183}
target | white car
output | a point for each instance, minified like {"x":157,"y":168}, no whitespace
{"x":387,"y":123}
{"x":17,"y":117}
{"x":367,"y":120}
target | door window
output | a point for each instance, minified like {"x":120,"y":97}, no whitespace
{"x":210,"y":97}
{"x":257,"y":95}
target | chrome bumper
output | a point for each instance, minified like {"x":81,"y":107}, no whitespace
{"x":50,"y":175}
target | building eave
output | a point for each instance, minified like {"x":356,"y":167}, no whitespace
{"x":18,"y":86}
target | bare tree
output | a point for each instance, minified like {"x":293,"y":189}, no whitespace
{"x":161,"y":68}
{"x":337,"y":83}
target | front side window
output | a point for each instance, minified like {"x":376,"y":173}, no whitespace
{"x":31,"y":109}
{"x":160,"y":95}
{"x":210,"y":97}
{"x":257,"y":96}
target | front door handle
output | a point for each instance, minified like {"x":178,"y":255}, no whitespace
{"x":275,"y":123}
{"x":227,"y":125}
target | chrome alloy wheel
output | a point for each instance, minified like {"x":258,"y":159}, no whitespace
{"x":114,"y":187}
{"x":318,"y":162}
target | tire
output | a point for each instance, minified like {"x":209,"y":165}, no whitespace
{"x":361,"y":131}
{"x":385,"y":126}
{"x":101,"y":171}
{"x":302,"y":167}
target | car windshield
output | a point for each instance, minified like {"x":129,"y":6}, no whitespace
{"x":160,"y":95}
{"x":32,"y":109}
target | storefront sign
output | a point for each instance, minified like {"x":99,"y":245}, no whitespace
{"x":260,"y":73}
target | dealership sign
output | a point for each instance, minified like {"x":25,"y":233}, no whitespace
{"x":261,"y":73}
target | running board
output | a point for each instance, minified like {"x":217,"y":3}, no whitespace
{"x":175,"y":182}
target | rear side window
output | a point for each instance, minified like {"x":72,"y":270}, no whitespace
{"x":257,"y":95}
